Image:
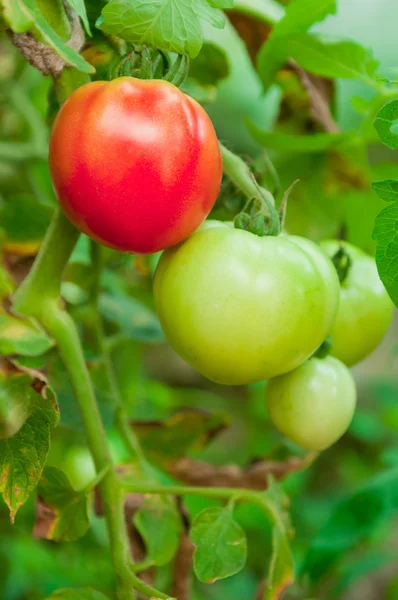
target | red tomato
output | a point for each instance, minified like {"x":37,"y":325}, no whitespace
{"x":135,"y":163}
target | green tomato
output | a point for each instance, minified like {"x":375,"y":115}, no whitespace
{"x":365,"y":311}
{"x":241,"y":308}
{"x":314,"y":404}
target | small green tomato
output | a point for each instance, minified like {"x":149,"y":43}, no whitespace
{"x":314,"y":404}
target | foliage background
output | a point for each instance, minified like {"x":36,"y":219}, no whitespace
{"x":354,"y":484}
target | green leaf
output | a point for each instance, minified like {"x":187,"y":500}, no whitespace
{"x":159,"y":523}
{"x":386,"y":124}
{"x":281,"y":570}
{"x":299,"y":17}
{"x":80,"y":9}
{"x":71,"y":510}
{"x":170,"y":25}
{"x":220,"y":544}
{"x":175,"y":437}
{"x":386,"y":190}
{"x":15,"y":403}
{"x":77,"y":594}
{"x":22,"y":456}
{"x":385,"y":233}
{"x":316,"y":142}
{"x":268,"y":11}
{"x":25,"y":15}
{"x":135,"y":320}
{"x":328,"y":57}
{"x":352,"y":521}
{"x":22,"y":336}
{"x":15,"y":16}
{"x":210,"y":66}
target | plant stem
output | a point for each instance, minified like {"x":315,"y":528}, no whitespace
{"x":121,"y":417}
{"x":241,"y":176}
{"x":63,"y":329}
{"x":38,"y":296}
{"x":258,"y":498}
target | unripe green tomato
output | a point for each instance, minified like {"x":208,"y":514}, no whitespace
{"x":314,"y":404}
{"x":365,"y":310}
{"x":241,"y":308}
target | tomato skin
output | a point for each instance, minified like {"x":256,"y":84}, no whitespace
{"x":313,"y":405}
{"x":241,"y":308}
{"x":135,"y":164}
{"x":365,"y":311}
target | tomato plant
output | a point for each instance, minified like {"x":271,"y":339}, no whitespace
{"x":164,"y":281}
{"x":223,"y":298}
{"x":365,"y":310}
{"x":313,"y":405}
{"x":135,"y":163}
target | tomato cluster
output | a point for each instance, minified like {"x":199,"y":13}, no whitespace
{"x":136,"y":165}
{"x":242,"y":308}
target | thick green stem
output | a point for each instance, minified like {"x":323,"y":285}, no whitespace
{"x":63,"y":329}
{"x":39,"y":297}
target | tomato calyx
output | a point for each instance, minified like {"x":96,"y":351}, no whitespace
{"x":259,"y":216}
{"x":342,"y":262}
{"x":324,"y":349}
{"x":147,"y":63}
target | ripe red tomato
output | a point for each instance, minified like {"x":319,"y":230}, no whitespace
{"x":135,"y":163}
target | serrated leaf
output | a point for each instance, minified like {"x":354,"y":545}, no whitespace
{"x":170,"y":25}
{"x":386,"y":190}
{"x":386,"y":124}
{"x":22,"y":457}
{"x":22,"y":336}
{"x":351,"y":522}
{"x":159,"y":523}
{"x":24,"y":15}
{"x":70,"y":518}
{"x":281,"y":569}
{"x":173,"y":438}
{"x":220,"y":544}
{"x":328,"y":57}
{"x":135,"y":320}
{"x":299,"y":17}
{"x":317,"y":142}
{"x":77,"y":594}
{"x":385,"y":233}
{"x":80,"y":9}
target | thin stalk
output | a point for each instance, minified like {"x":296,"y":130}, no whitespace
{"x":234,"y":494}
{"x":241,"y":176}
{"x":121,"y":417}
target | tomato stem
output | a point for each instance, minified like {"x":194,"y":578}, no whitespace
{"x":324,"y":349}
{"x":264,"y":218}
{"x":342,"y":262}
{"x":121,"y":417}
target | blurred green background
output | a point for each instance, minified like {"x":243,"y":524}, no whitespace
{"x":345,"y":506}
